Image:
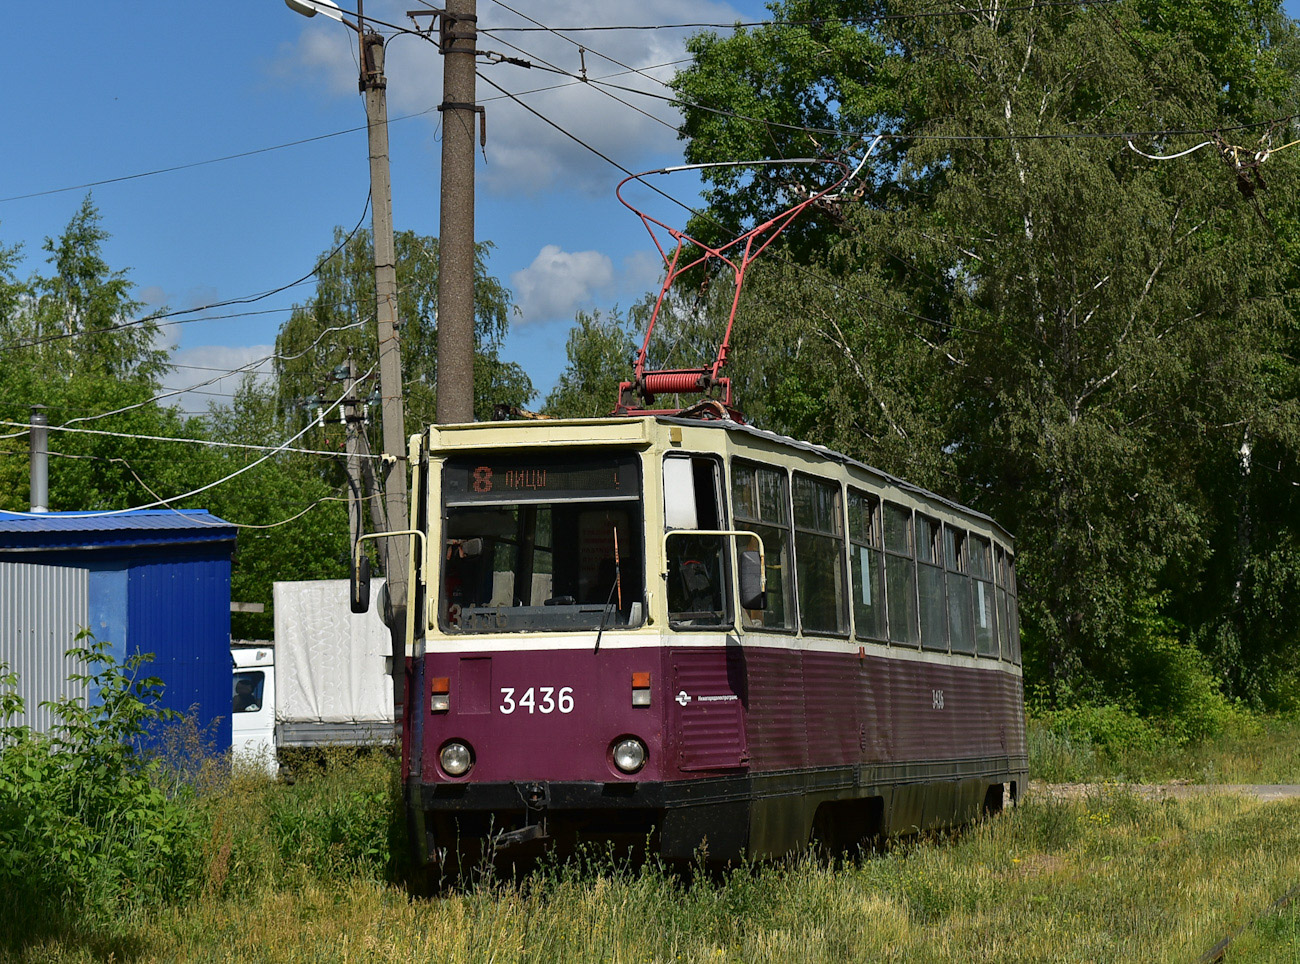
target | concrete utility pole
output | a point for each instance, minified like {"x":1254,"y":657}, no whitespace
{"x":458,"y":30}
{"x":396,"y":551}
{"x":392,"y":404}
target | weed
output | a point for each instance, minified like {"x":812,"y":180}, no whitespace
{"x":88,"y":824}
{"x":1089,"y":743}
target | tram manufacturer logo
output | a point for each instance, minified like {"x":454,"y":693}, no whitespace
{"x":684,"y":697}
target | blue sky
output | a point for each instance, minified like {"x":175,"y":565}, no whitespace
{"x":103,"y":90}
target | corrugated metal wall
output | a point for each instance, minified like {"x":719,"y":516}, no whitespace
{"x":178,"y":608}
{"x":43,"y":609}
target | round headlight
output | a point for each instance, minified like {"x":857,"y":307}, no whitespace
{"x":629,"y":755}
{"x":456,"y":758}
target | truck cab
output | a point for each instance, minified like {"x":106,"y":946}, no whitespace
{"x":252,"y":709}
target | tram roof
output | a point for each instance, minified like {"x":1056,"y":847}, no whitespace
{"x":566,"y":431}
{"x":833,"y":456}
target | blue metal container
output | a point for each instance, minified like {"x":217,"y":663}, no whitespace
{"x":151,"y":581}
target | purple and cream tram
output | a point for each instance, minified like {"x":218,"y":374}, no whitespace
{"x":701,"y":635}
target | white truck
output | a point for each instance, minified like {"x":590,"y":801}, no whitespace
{"x":324,"y":681}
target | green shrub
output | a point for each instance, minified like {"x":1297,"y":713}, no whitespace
{"x":1166,"y":678}
{"x":85,"y":821}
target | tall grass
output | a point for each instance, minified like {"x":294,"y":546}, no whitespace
{"x":124,"y":808}
{"x":199,"y":862}
{"x":1110,"y":877}
{"x":1093,"y":743}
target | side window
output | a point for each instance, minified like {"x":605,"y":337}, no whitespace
{"x":819,"y":556}
{"x":865,"y":562}
{"x":900,"y":576}
{"x":691,"y":493}
{"x":1008,"y":618}
{"x":761,"y":502}
{"x":961,"y":628}
{"x":930,"y":584}
{"x":982,"y":602}
{"x":248,"y":692}
{"x":699,"y":580}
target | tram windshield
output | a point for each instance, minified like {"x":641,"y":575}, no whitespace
{"x":540,"y":543}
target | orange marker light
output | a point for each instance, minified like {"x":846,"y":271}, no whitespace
{"x":440,"y":700}
{"x":640,"y":689}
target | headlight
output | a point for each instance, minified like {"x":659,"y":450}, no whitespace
{"x":456,"y":758}
{"x":629,"y":754}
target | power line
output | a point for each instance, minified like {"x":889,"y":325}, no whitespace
{"x":190,"y":515}
{"x":821,"y":21}
{"x":226,"y":374}
{"x":208,"y":443}
{"x":211,"y":160}
{"x":599,"y":89}
{"x":680,"y":102}
{"x":552,"y":30}
{"x":576,"y":139}
{"x":211,"y":485}
{"x":249,"y":299}
{"x":917,"y":136}
{"x":824,"y":278}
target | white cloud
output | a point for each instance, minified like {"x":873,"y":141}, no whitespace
{"x":525,"y":154}
{"x":642,"y":271}
{"x":559,"y":281}
{"x":199,"y":370}
{"x":152,"y":296}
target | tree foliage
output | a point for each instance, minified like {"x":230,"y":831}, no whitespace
{"x":339,"y":319}
{"x":72,"y":342}
{"x":1014,"y":308}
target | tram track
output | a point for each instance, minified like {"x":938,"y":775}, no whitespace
{"x":1220,"y":950}
{"x":1182,"y":790}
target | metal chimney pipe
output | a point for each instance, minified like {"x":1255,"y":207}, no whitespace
{"x":40,"y":460}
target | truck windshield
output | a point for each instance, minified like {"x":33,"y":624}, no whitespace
{"x":542,"y":543}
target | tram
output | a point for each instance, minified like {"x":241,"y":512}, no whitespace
{"x":671,"y":628}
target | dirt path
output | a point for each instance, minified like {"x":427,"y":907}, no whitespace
{"x":1178,"y":790}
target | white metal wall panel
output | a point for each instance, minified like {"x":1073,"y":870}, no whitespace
{"x":42,"y":608}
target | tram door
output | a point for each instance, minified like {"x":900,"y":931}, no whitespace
{"x":708,"y":672}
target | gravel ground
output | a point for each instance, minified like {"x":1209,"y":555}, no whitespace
{"x":1178,"y":789}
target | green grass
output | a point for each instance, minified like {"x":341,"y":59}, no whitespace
{"x":1109,"y":877}
{"x":1102,"y":744}
{"x":107,"y":856}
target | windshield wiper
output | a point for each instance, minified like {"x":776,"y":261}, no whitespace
{"x":618,"y":586}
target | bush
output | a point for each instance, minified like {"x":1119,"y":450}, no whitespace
{"x":1164,"y":677}
{"x":85,"y":821}
{"x":1083,"y":742}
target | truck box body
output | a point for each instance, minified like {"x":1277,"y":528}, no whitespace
{"x":332,"y":684}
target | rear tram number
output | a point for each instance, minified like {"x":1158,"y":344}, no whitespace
{"x":936,"y":699}
{"x":539,"y":699}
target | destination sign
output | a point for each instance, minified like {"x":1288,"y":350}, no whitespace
{"x":537,"y":478}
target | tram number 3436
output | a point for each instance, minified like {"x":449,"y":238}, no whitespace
{"x":537,"y":699}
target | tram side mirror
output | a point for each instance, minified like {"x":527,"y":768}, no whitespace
{"x":384,"y":605}
{"x":752,"y":595}
{"x":359,"y":585}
